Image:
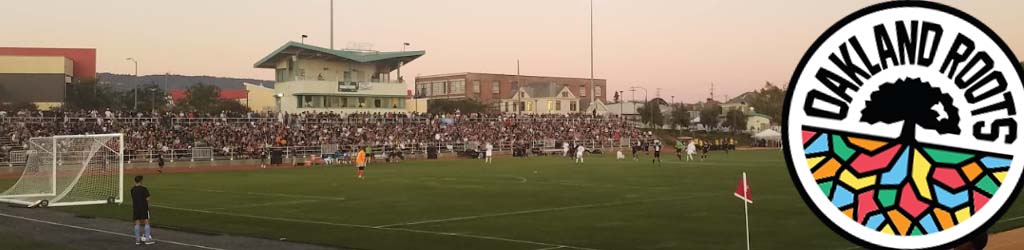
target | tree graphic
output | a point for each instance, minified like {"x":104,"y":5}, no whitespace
{"x":913,"y":102}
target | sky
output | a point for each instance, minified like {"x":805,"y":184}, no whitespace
{"x":679,"y":47}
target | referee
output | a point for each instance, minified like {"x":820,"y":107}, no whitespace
{"x":140,"y":208}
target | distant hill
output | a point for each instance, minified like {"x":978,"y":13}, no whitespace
{"x":123,"y":82}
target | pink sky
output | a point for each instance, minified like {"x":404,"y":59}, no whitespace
{"x":678,"y":46}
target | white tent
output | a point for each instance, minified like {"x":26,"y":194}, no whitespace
{"x":771,"y":138}
{"x":769,"y":135}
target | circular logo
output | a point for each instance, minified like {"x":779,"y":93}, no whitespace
{"x":900,"y":126}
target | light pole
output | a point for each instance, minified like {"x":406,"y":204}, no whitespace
{"x":135,"y":89}
{"x":400,"y":63}
{"x":303,"y":39}
{"x":651,"y":111}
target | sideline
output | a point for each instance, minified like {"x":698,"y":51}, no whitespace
{"x":104,"y":231}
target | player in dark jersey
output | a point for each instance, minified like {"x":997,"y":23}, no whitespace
{"x":160,"y":162}
{"x":140,"y":212}
{"x":657,"y":153}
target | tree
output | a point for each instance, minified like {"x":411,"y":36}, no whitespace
{"x":231,"y":106}
{"x":91,"y":95}
{"x":650,"y":113}
{"x":201,"y":98}
{"x":616,"y":96}
{"x":680,"y":116}
{"x":736,"y":120}
{"x":149,"y":97}
{"x":913,"y":102}
{"x":768,"y":100}
{"x":709,"y":115}
{"x":445,"y":106}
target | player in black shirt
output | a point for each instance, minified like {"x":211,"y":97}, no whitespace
{"x":140,"y":209}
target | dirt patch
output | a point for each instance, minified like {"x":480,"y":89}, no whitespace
{"x":1008,"y":240}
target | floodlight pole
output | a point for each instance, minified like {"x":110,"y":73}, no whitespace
{"x":332,"y":24}
{"x":592,"y":88}
{"x":135,"y":89}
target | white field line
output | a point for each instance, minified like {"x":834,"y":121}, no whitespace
{"x":372,"y":227}
{"x":531,"y":211}
{"x":549,"y":248}
{"x":259,"y":194}
{"x":267,"y":204}
{"x":1011,"y":219}
{"x":103,"y":231}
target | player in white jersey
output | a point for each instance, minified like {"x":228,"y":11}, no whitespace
{"x":565,"y":149}
{"x":488,"y":153}
{"x":690,"y":150}
{"x":579,"y":154}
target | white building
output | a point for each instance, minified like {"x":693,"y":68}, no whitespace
{"x":542,"y":98}
{"x":312,"y":78}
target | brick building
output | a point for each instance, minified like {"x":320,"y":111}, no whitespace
{"x":493,"y":88}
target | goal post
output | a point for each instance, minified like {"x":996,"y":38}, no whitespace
{"x":70,"y":170}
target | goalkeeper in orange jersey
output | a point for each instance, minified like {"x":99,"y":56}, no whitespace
{"x":361,"y":162}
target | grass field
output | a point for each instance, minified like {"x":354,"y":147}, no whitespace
{"x":534,"y":203}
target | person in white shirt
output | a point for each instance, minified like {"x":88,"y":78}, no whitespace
{"x":690,"y":150}
{"x":488,"y":153}
{"x":579,"y":154}
{"x":565,"y":149}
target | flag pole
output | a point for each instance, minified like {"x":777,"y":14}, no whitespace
{"x":746,"y":216}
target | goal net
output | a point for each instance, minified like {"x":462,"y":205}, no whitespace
{"x":70,"y":170}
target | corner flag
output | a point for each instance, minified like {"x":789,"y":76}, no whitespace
{"x":743,"y":192}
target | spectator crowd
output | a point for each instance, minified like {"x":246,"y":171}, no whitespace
{"x":249,"y":134}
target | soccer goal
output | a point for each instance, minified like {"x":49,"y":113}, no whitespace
{"x":70,"y":170}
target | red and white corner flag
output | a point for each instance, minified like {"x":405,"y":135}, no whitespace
{"x":743,"y":192}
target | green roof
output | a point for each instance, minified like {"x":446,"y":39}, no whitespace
{"x":357,"y":56}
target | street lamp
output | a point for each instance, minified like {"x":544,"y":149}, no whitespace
{"x":303,"y":39}
{"x":135,"y":89}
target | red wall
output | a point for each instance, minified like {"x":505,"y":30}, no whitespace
{"x":85,"y":59}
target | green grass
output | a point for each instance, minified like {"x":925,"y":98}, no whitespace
{"x":511,"y":204}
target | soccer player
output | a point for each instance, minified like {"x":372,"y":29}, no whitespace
{"x":140,"y":209}
{"x":679,"y":149}
{"x":579,"y":154}
{"x":160,"y":162}
{"x":565,"y":149}
{"x":657,"y":153}
{"x":489,"y":153}
{"x":361,"y":162}
{"x":636,"y":148}
{"x":691,"y":149}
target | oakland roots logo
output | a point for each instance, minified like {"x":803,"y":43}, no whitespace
{"x":900,"y":126}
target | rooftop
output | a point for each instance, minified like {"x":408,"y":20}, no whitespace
{"x":293,"y":48}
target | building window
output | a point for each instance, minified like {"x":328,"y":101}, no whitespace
{"x":583,"y":90}
{"x":438,"y":88}
{"x":281,"y":75}
{"x":597,"y":91}
{"x":551,"y":105}
{"x":309,"y":101}
{"x":458,"y":87}
{"x":377,"y":103}
{"x":496,"y":88}
{"x":572,"y":106}
{"x":565,"y":93}
{"x":362,"y":102}
{"x":476,"y":87}
{"x":558,"y":105}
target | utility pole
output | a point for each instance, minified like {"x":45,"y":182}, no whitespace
{"x":592,"y":87}
{"x":332,"y":24}
{"x":135,"y":89}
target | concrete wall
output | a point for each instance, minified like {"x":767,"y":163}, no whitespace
{"x":259,"y":98}
{"x":32,"y":87}
{"x":312,"y":69}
